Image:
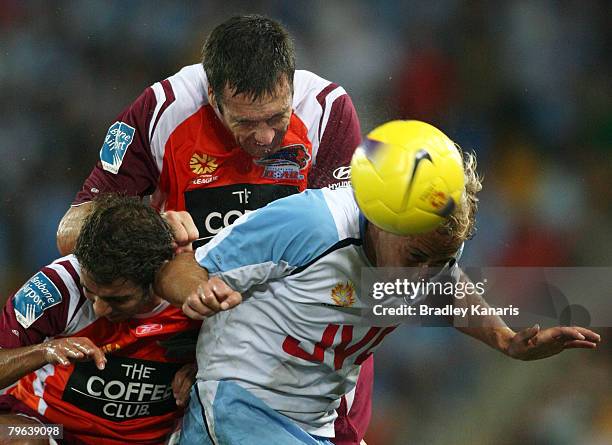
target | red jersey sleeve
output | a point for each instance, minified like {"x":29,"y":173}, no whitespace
{"x":40,"y":308}
{"x":341,"y":136}
{"x":126,"y":163}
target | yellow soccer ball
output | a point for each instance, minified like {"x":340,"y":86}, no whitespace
{"x":407,"y":177}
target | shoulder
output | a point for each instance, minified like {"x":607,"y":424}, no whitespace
{"x":316,"y":102}
{"x":57,"y":284}
{"x":325,"y":213}
{"x":292,"y":230}
{"x":43,"y":306}
{"x":189,"y":86}
{"x":178,"y":97}
{"x":174,"y":97}
{"x":343,"y":207}
{"x":313,"y":94}
{"x":307,"y":84}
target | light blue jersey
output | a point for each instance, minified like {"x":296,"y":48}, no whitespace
{"x":298,"y":338}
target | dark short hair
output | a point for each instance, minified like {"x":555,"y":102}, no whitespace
{"x":123,"y":238}
{"x":249,"y":54}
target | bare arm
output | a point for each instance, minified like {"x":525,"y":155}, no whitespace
{"x":70,"y":227}
{"x":18,"y":362}
{"x":185,"y":284}
{"x":529,"y":344}
{"x":181,"y":223}
{"x":179,"y":278}
{"x":489,"y":329}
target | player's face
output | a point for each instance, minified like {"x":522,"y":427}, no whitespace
{"x":258,"y":126}
{"x":425,"y":250}
{"x":119,"y":300}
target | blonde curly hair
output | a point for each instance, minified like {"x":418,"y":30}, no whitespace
{"x":461,"y":224}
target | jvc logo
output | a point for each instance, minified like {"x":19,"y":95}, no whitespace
{"x":340,"y":350}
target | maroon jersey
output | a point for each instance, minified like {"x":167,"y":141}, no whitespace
{"x":170,"y":144}
{"x":131,"y":399}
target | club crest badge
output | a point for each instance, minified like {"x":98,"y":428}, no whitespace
{"x":286,"y":164}
{"x":343,"y":294}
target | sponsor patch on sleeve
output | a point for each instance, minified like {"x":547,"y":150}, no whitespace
{"x":34,"y":298}
{"x":118,"y":138}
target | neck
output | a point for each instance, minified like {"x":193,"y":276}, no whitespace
{"x":152,"y":302}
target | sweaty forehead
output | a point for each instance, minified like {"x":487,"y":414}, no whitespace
{"x":243,"y":108}
{"x":280,"y":98}
{"x":119,"y":287}
{"x":280,"y":87}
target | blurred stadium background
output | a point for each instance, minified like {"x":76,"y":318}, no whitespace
{"x":525,"y":84}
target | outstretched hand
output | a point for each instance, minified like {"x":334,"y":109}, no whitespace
{"x":534,"y":343}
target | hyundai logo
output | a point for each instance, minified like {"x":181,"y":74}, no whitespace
{"x":342,"y":173}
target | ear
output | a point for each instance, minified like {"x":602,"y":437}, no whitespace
{"x":212,"y":100}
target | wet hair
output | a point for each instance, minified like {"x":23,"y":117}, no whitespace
{"x":249,"y":54}
{"x":123,"y":238}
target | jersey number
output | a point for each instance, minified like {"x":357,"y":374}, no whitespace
{"x":343,"y":350}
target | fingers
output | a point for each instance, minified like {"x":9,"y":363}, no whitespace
{"x":527,"y":334}
{"x":92,"y":351}
{"x":575,"y":333}
{"x":211,"y":297}
{"x":66,"y":350}
{"x":99,"y":358}
{"x":232,"y":300}
{"x":183,"y":229}
{"x":570,"y":333}
{"x":181,"y":393}
{"x":182,"y":382}
{"x":588,"y":334}
{"x":195,"y":313}
{"x":225,"y":295}
{"x":55,"y":354}
{"x":578,"y":337}
{"x":202,"y":303}
{"x":207,"y":294}
{"x":182,"y":249}
{"x":177,"y":383}
{"x":533,"y":343}
{"x":583,"y":344}
{"x":182,"y":397}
